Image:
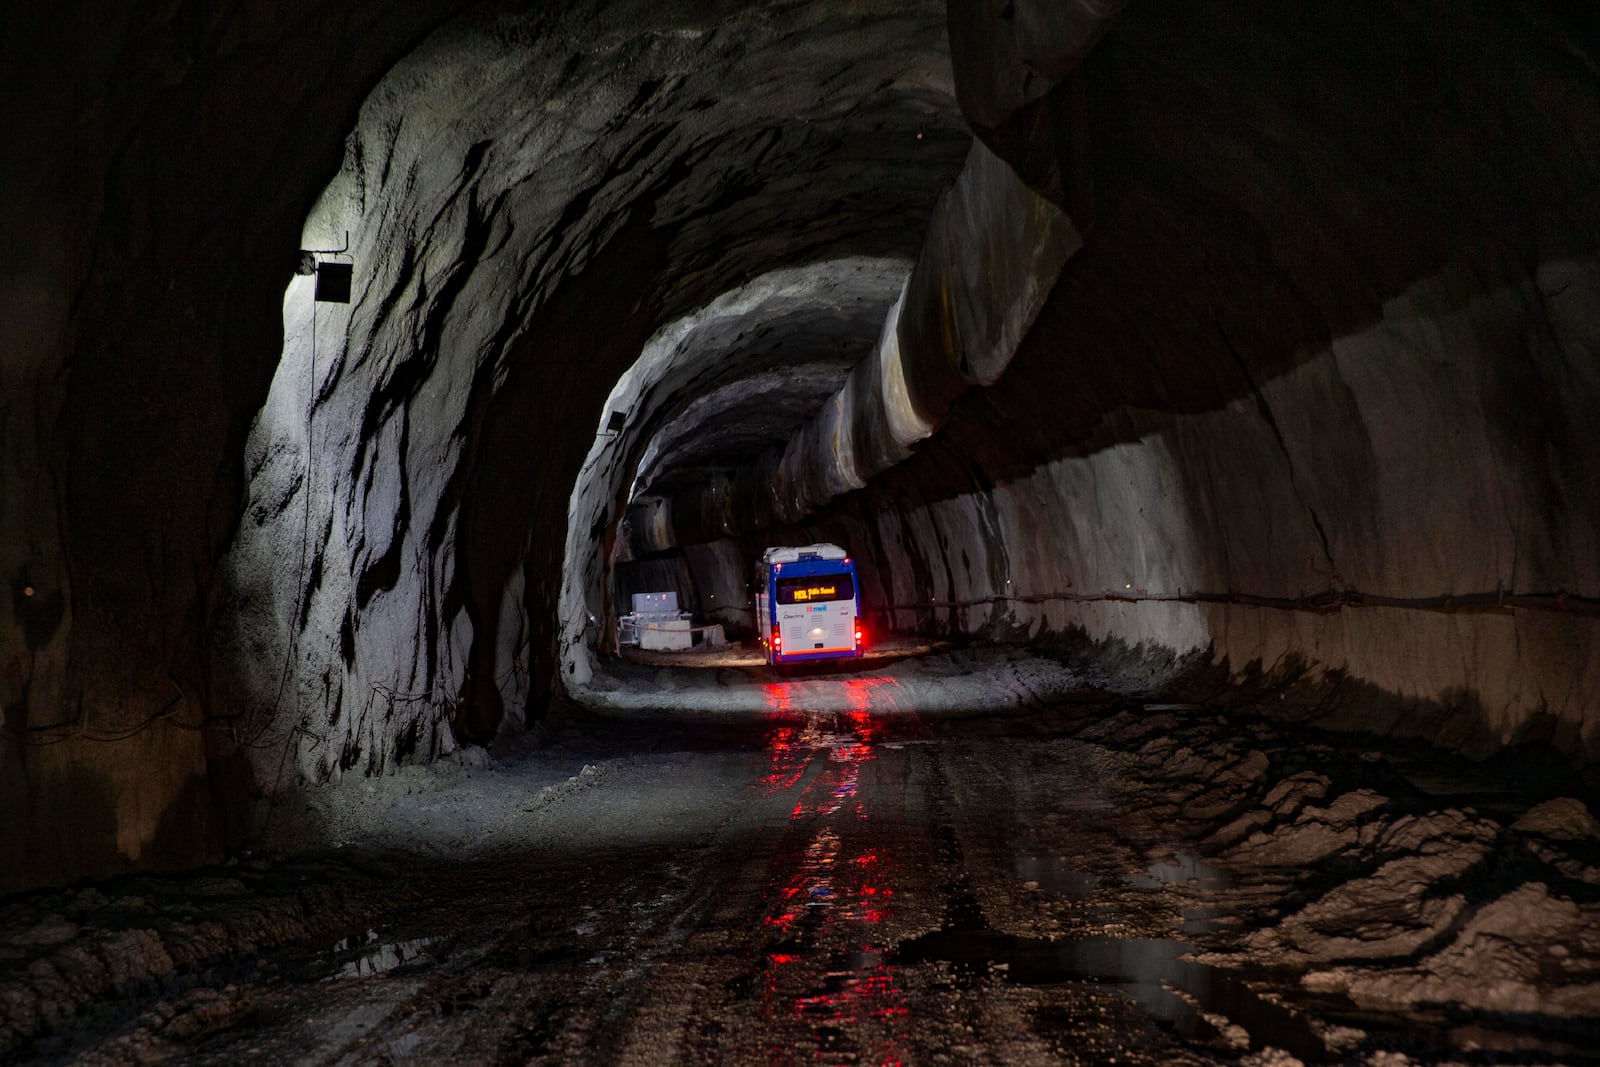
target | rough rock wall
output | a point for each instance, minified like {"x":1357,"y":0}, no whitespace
{"x":1318,"y":394}
{"x":530,"y":199}
{"x":160,"y":166}
{"x":993,"y":249}
{"x":708,"y":380}
{"x":721,"y":572}
{"x":149,"y":226}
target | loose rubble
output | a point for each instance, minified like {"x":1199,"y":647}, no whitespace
{"x":1081,"y":879}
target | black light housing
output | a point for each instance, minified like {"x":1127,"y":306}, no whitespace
{"x":333,"y":279}
{"x":333,"y":282}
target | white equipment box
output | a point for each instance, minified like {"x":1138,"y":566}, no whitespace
{"x":655,"y":623}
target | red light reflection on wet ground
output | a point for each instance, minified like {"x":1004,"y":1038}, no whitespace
{"x":786,"y":757}
{"x":786,"y":763}
{"x":824,"y":970}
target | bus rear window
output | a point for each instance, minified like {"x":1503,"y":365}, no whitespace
{"x":816,"y":588}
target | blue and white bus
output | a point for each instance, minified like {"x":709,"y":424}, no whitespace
{"x":807,"y":604}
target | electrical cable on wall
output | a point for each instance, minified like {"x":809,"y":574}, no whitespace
{"x":332,"y":287}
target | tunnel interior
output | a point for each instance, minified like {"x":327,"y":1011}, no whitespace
{"x":1231,"y":355}
{"x":737,"y":249}
{"x":1185,"y":345}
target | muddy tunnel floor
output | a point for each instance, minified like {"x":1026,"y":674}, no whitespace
{"x":1097,"y":881}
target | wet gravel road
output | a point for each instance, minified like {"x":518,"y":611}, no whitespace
{"x":1095,"y":884}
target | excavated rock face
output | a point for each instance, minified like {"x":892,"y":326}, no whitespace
{"x":731,"y":381}
{"x":158,"y":167}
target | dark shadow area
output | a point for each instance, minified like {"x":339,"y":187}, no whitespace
{"x":1261,"y":194}
{"x":1457,"y":731}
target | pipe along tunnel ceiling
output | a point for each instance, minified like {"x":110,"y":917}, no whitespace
{"x":1240,"y":345}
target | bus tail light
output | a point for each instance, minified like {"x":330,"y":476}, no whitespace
{"x":858,"y":635}
{"x":777,"y":639}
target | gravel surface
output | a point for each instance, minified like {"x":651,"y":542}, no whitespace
{"x":1096,"y":881}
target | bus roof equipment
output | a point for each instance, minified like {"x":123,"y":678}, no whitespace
{"x":796,"y":553}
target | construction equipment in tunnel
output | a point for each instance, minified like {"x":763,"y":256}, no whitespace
{"x":655,"y":623}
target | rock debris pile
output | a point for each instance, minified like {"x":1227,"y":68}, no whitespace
{"x":1371,"y":884}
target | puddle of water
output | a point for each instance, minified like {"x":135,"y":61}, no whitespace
{"x":1147,"y":970}
{"x":1180,"y":868}
{"x":1054,"y":874}
{"x":1200,"y":921}
{"x":864,"y":959}
{"x":1444,"y":784}
{"x":1537,"y":1039}
{"x":374,"y":957}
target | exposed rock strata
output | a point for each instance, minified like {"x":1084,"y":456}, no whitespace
{"x":994,"y":249}
{"x":712,"y":387}
{"x":529,"y":195}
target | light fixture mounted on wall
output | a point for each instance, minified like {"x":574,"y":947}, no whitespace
{"x":333,"y":279}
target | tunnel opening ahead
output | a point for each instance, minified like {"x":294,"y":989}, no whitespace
{"x":711,"y":395}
